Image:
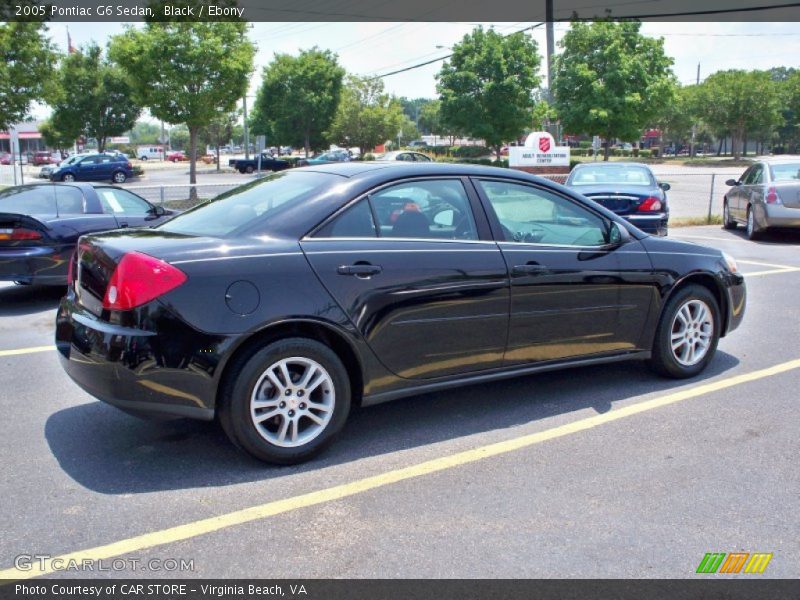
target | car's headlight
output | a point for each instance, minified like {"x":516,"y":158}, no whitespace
{"x":730,"y":262}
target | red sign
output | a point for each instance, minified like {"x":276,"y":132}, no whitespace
{"x":544,"y":144}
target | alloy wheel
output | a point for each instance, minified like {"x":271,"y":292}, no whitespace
{"x":692,"y":332}
{"x":292,"y":402}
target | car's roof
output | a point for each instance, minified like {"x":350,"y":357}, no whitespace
{"x":604,"y":165}
{"x":409,"y":169}
{"x":780,"y":160}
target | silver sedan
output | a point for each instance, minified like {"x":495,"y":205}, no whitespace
{"x":766,"y":196}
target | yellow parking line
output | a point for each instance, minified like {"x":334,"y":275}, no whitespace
{"x":277,"y":507}
{"x":26,"y":350}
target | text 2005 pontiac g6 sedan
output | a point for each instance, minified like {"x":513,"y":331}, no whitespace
{"x":280,"y":304}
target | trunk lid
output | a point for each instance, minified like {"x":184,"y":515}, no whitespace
{"x":789,"y":193}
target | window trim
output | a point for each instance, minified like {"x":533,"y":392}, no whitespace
{"x":481,"y":223}
{"x":497,"y":230}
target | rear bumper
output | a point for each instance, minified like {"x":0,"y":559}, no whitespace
{"x":139,"y":370}
{"x":652,"y":224}
{"x":777,"y":215}
{"x":36,"y":265}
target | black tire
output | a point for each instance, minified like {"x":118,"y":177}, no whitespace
{"x":143,"y":158}
{"x":664,"y":361}
{"x":68,"y":177}
{"x":250,"y":372}
{"x":727,"y":221}
{"x":119,"y":177}
{"x":249,"y":169}
{"x":752,"y":230}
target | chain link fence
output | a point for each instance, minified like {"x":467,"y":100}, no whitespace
{"x":181,"y":196}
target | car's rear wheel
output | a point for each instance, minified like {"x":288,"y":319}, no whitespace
{"x":68,"y":177}
{"x":143,"y":158}
{"x":687,"y":334}
{"x":727,"y":221}
{"x":753,"y":232}
{"x":287,"y":401}
{"x":119,"y":177}
{"x":249,"y":169}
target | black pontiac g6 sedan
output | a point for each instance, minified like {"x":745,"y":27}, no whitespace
{"x":280,"y":304}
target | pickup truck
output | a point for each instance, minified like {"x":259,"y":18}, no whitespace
{"x":268,"y":163}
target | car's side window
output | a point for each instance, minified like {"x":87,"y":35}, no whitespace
{"x":69,"y":200}
{"x":355,"y":222}
{"x":757,"y":176}
{"x":86,"y":162}
{"x":122,"y":202}
{"x":535,"y":216}
{"x":429,"y":209}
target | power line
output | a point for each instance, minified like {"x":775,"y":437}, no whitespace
{"x":435,"y":60}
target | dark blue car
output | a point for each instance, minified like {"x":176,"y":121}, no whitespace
{"x":628,"y":189}
{"x":40,"y":225}
{"x":94,"y":167}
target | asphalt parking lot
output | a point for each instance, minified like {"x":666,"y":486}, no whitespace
{"x":606,"y":472}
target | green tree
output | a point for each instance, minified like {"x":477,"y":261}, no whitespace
{"x":219,"y":131}
{"x":25,"y":70}
{"x":297,"y":100}
{"x":486,"y":88}
{"x":366,"y":116}
{"x":54,"y":138}
{"x":145,"y":133}
{"x":789,"y":132}
{"x":740,"y":103}
{"x":187,"y":72}
{"x":93,"y":97}
{"x":677,"y":117}
{"x":430,"y":118}
{"x":610,"y":80}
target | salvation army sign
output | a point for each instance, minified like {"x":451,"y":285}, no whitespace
{"x":540,"y":150}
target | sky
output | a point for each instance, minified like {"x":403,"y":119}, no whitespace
{"x":378,"y":48}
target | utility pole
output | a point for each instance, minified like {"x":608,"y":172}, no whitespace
{"x":246,"y":132}
{"x":548,"y":11}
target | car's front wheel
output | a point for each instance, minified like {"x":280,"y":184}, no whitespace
{"x":687,"y":334}
{"x":119,"y":177}
{"x":287,"y":401}
{"x":68,"y":177}
{"x":727,"y":221}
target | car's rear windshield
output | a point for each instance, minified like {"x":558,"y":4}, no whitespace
{"x":257,"y":201}
{"x":786,"y":171}
{"x":623,"y":175}
{"x":30,"y":200}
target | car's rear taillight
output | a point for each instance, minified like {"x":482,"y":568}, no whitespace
{"x":138,"y":279}
{"x":650,"y":204}
{"x":772,"y":196}
{"x":19,"y":233}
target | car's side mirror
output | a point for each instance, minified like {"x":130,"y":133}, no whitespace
{"x":158,"y":211}
{"x":732,"y":183}
{"x":618,"y":235}
{"x":664,"y":185}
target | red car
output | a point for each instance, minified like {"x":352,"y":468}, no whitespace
{"x":45,"y":157}
{"x":178,"y":156}
{"x":5,"y":159}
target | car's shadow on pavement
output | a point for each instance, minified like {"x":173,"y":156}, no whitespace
{"x":109,"y":452}
{"x":18,"y":300}
{"x":770,"y":237}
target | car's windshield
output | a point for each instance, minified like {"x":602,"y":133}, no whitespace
{"x":786,"y":172}
{"x":258,"y":200}
{"x":611,"y":174}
